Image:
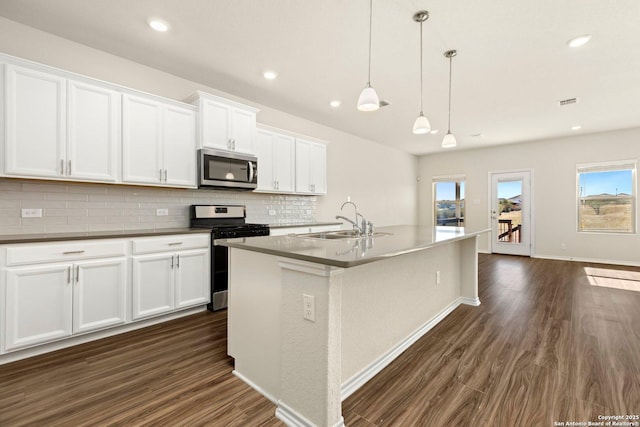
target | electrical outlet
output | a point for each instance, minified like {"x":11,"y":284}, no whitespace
{"x":309,"y":307}
{"x":563,"y":246}
{"x":162,"y":212}
{"x":438,"y":277}
{"x":31,"y":213}
{"x":272,"y":212}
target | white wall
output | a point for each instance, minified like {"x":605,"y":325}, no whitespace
{"x":554,"y":190}
{"x":381,"y":180}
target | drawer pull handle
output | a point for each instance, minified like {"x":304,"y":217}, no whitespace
{"x":175,"y":243}
{"x":72,"y":252}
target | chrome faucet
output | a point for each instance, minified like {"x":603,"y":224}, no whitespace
{"x":365,"y":228}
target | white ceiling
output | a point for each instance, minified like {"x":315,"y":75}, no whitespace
{"x":512,"y":68}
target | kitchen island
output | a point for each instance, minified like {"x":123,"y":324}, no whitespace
{"x":312,"y":317}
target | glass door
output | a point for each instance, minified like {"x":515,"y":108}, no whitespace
{"x":511,"y":213}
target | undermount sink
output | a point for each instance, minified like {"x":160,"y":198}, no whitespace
{"x":347,"y":234}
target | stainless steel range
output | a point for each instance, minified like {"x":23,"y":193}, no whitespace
{"x":225,"y":222}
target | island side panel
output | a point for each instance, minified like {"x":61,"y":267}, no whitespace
{"x":391,"y":303}
{"x":311,"y":350}
{"x":254,"y":331}
{"x":469,"y":271}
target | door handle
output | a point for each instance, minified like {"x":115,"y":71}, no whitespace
{"x":61,"y":167}
{"x":165,"y":175}
{"x":251,"y":171}
{"x":177,"y":261}
{"x":160,"y":175}
{"x":172,"y":262}
{"x":77,"y":273}
{"x":68,"y":275}
{"x":68,"y":167}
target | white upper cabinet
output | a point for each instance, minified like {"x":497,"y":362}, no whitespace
{"x":224,"y":124}
{"x":60,"y":128}
{"x":311,"y":167}
{"x":180,"y":146}
{"x":276,"y":161}
{"x":93,"y":138}
{"x":158,"y":143}
{"x":35,"y":117}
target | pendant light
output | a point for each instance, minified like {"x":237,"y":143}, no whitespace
{"x":421,"y":125}
{"x":449,"y":140}
{"x":368,"y":100}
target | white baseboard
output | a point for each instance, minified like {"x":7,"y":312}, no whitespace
{"x":255,"y":386}
{"x":589,"y":260}
{"x":293,"y":419}
{"x":359,"y":379}
{"x":470,"y":301}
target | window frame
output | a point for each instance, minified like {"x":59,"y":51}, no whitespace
{"x":609,"y":166}
{"x":458,"y":179}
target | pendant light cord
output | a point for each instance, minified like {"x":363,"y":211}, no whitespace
{"x":370,"y":25}
{"x":421,"y":113}
{"x":450,"y":65}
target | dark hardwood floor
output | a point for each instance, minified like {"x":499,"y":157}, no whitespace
{"x":552,"y":341}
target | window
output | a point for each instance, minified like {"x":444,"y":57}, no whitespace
{"x":449,"y":201}
{"x":606,"y":197}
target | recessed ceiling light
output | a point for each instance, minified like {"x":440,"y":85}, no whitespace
{"x":576,"y":127}
{"x":270,"y":75}
{"x":579,"y":41}
{"x":434,"y":131}
{"x":160,"y":25}
{"x":335,"y":103}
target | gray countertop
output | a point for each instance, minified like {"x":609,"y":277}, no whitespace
{"x":304,"y":224}
{"x":352,"y":252}
{"x":56,"y":237}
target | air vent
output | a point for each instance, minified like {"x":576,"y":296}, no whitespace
{"x":568,"y":101}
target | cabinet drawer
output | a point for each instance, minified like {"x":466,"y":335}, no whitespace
{"x":55,"y":252}
{"x":176,"y":242}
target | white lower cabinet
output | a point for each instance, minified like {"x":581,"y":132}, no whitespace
{"x":54,"y":291}
{"x":153,"y":279}
{"x":99,"y":294}
{"x":52,"y":301}
{"x":167,"y":281}
{"x":38,"y":303}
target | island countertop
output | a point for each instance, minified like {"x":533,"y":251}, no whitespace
{"x":351,"y":252}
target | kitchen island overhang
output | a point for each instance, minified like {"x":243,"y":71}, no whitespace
{"x":371,"y":299}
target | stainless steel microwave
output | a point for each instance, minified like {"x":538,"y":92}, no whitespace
{"x":227,"y":170}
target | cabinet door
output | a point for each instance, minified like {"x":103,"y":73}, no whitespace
{"x":153,"y":285}
{"x":38,"y":305}
{"x":93,"y":138}
{"x":180,"y":146}
{"x":35,"y":123}
{"x":243,"y":129}
{"x":303,"y":166}
{"x":99,"y":294}
{"x":141,"y":140}
{"x":284,"y":154}
{"x":215,"y":122}
{"x":193,"y":285}
{"x":265,"y":151}
{"x":318,"y":168}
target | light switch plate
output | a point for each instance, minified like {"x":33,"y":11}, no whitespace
{"x":162,"y":212}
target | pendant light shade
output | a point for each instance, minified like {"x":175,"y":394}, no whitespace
{"x":449,"y":140}
{"x":368,"y":100}
{"x":421,"y":125}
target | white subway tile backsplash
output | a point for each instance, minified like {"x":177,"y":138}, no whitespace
{"x":69,"y":206}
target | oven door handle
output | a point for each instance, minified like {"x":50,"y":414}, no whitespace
{"x":251,"y":171}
